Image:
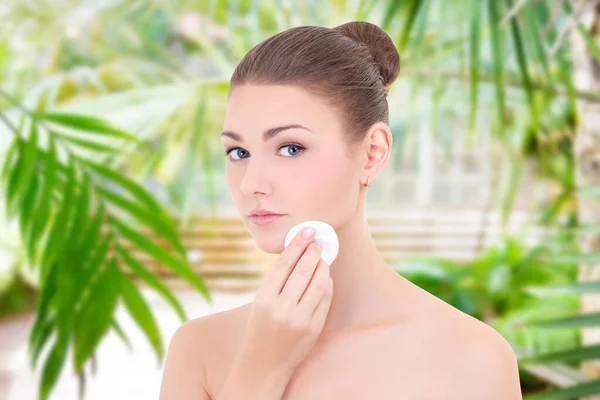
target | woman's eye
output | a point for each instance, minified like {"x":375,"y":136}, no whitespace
{"x":295,"y":150}
{"x":293,"y":146}
{"x":233,"y":151}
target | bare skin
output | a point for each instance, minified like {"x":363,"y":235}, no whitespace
{"x":430,"y":351}
{"x":383,"y":337}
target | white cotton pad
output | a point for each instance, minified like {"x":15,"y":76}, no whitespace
{"x":324,"y":233}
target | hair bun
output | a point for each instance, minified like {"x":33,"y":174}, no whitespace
{"x":379,"y":44}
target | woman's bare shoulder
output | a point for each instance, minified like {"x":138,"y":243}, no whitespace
{"x":488,"y":366}
{"x":226,"y":319}
{"x":209,"y":330}
{"x":198,"y":352}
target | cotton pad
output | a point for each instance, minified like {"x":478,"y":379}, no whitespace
{"x":324,"y":233}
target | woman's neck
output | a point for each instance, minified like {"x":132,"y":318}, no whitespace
{"x":363,"y":284}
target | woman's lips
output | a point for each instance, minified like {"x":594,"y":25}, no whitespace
{"x":262,"y":220}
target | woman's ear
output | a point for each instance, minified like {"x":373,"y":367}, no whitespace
{"x":378,"y":146}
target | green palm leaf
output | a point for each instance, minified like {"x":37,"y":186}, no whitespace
{"x":564,"y":356}
{"x":140,"y":311}
{"x":576,"y":391}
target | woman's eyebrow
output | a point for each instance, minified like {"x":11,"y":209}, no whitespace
{"x":268,"y":134}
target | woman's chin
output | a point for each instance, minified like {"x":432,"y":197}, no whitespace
{"x":270,"y":238}
{"x":269,"y":246}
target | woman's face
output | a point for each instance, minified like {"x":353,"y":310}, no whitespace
{"x":302,"y":172}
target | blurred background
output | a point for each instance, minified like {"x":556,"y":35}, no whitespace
{"x":116,"y":224}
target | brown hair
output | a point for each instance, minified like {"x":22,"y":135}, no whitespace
{"x":351,"y":66}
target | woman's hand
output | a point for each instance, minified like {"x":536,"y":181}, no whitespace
{"x":289,"y":310}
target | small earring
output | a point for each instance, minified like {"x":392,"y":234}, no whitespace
{"x":368,"y":182}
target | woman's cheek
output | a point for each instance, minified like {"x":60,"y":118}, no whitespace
{"x":319,"y":176}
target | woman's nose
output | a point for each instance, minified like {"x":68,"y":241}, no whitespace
{"x":255,"y":179}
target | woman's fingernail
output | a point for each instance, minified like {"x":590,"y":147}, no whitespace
{"x":308,"y":232}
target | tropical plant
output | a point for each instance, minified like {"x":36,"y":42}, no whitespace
{"x":573,"y":355}
{"x":75,"y":240}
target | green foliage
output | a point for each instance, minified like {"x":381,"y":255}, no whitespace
{"x":73,"y":216}
{"x":575,"y":320}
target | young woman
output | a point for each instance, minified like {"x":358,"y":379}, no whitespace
{"x":306,"y":131}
